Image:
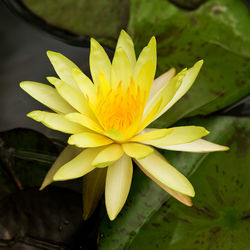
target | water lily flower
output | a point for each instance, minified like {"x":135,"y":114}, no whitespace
{"x":108,"y":115}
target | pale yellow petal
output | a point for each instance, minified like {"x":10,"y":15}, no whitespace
{"x":165,"y":94}
{"x":136,"y":150}
{"x":118,"y":181}
{"x":108,"y":155}
{"x":121,"y":70}
{"x":89,"y":140}
{"x":65,"y":156}
{"x":77,"y":167}
{"x":104,"y":85}
{"x":48,"y":96}
{"x":153,"y":134}
{"x":84,"y":121}
{"x":147,"y":54}
{"x":115,"y":134}
{"x":198,"y":146}
{"x":158,"y":167}
{"x":150,"y":115}
{"x":179,"y":135}
{"x":57,"y":122}
{"x":161,"y":82}
{"x":98,"y":61}
{"x":186,"y":84}
{"x":125,"y":42}
{"x":178,"y":196}
{"x":93,"y":186}
{"x":84,"y":83}
{"x":73,"y":97}
{"x":145,"y":77}
{"x":63,"y":67}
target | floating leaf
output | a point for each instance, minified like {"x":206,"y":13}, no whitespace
{"x":221,"y":183}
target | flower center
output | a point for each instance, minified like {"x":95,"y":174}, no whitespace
{"x":119,"y":108}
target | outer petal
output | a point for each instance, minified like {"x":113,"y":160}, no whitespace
{"x":157,"y":166}
{"x":178,"y":196}
{"x":89,"y":140}
{"x":77,"y":167}
{"x":84,"y":121}
{"x":179,"y":135}
{"x":57,"y":122}
{"x":73,"y":97}
{"x":185,"y":86}
{"x":160,"y":82}
{"x":65,"y":156}
{"x":92,"y":190}
{"x":137,"y":150}
{"x":198,"y":146}
{"x":118,"y":183}
{"x":47,"y":96}
{"x":63,"y":67}
{"x":151,"y":134}
{"x":147,"y":54}
{"x":108,"y":155}
{"x":98,"y":61}
{"x":84,"y":83}
{"x":121,"y":70}
{"x":127,"y":44}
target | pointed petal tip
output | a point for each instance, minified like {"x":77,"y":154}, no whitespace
{"x":51,"y":53}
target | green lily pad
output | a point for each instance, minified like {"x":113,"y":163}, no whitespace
{"x":220,"y":215}
{"x":217,"y":31}
{"x":29,"y":155}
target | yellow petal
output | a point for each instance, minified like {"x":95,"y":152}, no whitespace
{"x":98,"y":61}
{"x":121,"y":70}
{"x":151,"y":134}
{"x":63,"y":67}
{"x":56,"y":122}
{"x":186,"y":84}
{"x":150,"y":115}
{"x":108,"y":155}
{"x":165,"y":94}
{"x":89,"y":140}
{"x":179,"y":135}
{"x":115,"y":135}
{"x":147,"y":54}
{"x":125,"y":42}
{"x":158,"y":167}
{"x":92,"y":190}
{"x":136,"y":150}
{"x":178,"y":196}
{"x":118,"y":181}
{"x":84,"y":83}
{"x":104,"y":85}
{"x":47,"y":96}
{"x":65,"y":156}
{"x":161,"y":82}
{"x":145,"y":77}
{"x":77,"y":167}
{"x":73,"y":97}
{"x":198,"y":146}
{"x":84,"y":121}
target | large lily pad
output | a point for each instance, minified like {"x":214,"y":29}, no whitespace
{"x":26,"y":155}
{"x":221,"y":209}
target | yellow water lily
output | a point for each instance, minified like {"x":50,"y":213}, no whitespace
{"x":108,"y":115}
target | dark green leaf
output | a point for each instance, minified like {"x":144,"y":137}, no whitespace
{"x":221,"y":183}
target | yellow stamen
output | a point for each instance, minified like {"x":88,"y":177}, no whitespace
{"x":119,"y":107}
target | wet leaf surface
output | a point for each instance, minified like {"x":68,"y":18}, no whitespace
{"x":220,"y":181}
